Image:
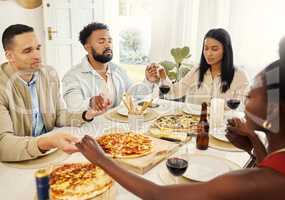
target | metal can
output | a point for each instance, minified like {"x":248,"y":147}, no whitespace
{"x":42,"y":183}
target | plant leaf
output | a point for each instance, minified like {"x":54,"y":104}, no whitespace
{"x":188,"y":56}
{"x":185,"y":52}
{"x":174,"y":52}
{"x":168,"y":65}
{"x":188,"y":65}
{"x":172,"y":75}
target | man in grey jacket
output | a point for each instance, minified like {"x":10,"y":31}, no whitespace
{"x":96,"y":81}
{"x":30,"y":102}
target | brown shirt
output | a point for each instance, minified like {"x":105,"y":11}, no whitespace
{"x":16,"y":141}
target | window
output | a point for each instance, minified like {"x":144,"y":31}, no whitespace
{"x":134,"y":31}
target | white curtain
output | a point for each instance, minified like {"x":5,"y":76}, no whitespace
{"x":171,"y":27}
{"x":178,"y":23}
{"x":255,"y":26}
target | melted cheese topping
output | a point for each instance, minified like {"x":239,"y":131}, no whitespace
{"x":180,"y":121}
{"x":78,"y":181}
{"x":125,"y":144}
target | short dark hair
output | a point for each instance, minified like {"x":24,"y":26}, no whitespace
{"x":87,"y":31}
{"x":227,"y":66}
{"x":13,"y":30}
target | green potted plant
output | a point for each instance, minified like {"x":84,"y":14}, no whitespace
{"x":178,"y":69}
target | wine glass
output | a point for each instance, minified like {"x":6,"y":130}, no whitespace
{"x":177,"y":167}
{"x":164,"y":87}
{"x":233,"y":100}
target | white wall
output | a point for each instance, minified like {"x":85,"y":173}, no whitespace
{"x":256,"y":28}
{"x":12,"y":13}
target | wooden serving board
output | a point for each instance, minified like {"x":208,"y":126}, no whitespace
{"x":162,"y":149}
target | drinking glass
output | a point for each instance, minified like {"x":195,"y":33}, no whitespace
{"x":233,"y":100}
{"x":135,"y":122}
{"x":177,"y":166}
{"x":164,"y":87}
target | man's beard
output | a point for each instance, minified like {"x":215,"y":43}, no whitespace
{"x":101,"y":57}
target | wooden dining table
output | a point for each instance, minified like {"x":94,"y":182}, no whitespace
{"x":18,"y":184}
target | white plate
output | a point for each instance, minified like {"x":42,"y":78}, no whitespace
{"x":205,"y":167}
{"x":122,"y":110}
{"x":193,"y":109}
{"x":221,"y":137}
{"x":220,"y":134}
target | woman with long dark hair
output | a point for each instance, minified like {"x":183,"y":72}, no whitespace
{"x":216,"y":75}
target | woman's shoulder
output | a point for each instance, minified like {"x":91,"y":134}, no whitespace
{"x":240,"y":71}
{"x":241,"y":74}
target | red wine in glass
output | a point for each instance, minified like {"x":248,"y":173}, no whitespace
{"x":233,"y":103}
{"x":176,"y":166}
{"x":164,"y":89}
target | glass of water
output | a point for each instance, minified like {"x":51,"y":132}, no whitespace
{"x":135,"y":122}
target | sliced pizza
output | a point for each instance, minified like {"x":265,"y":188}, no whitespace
{"x":78,"y":181}
{"x":177,"y":122}
{"x":125,"y":145}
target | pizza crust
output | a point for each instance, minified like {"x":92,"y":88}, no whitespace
{"x":130,"y":156}
{"x":86,"y":196}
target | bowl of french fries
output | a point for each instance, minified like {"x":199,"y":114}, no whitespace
{"x":130,"y":107}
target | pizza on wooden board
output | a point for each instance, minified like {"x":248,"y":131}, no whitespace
{"x":125,"y":145}
{"x":78,"y":181}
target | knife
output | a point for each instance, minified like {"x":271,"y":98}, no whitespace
{"x":170,"y":139}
